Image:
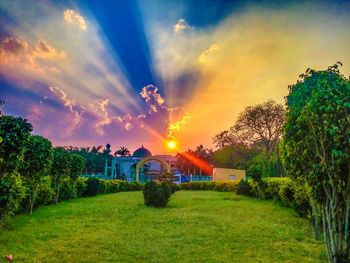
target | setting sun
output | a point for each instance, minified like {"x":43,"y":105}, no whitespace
{"x":171,"y":144}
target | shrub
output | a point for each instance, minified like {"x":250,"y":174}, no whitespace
{"x":92,"y":186}
{"x":272,"y":186}
{"x":113,"y":187}
{"x":123,"y":185}
{"x":156,"y":194}
{"x":81,"y":185}
{"x":302,"y":201}
{"x":286,"y":194}
{"x":11,"y":194}
{"x":243,"y":188}
{"x":225,"y":186}
{"x":67,"y":189}
{"x":134,"y":186}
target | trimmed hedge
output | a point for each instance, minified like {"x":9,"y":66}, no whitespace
{"x":284,"y":190}
{"x":221,"y":186}
{"x":69,"y":189}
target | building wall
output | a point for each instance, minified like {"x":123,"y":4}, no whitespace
{"x":220,"y":174}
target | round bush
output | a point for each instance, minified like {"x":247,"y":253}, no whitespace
{"x":156,"y":194}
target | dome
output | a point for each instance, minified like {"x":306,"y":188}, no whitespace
{"x":142,"y":152}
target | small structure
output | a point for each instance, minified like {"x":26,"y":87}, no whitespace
{"x":221,"y":174}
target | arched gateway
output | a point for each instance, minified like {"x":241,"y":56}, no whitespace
{"x":151,"y":158}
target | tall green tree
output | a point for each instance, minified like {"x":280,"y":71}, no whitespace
{"x":77,"y":166}
{"x":37,"y":159}
{"x":14,"y":133}
{"x":60,"y":168}
{"x":316,"y":148}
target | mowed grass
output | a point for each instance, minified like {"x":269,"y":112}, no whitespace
{"x":198,"y":226}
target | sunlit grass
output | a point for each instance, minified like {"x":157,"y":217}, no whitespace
{"x":198,"y":226}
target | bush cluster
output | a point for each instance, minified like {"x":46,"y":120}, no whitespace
{"x":284,"y":190}
{"x":157,"y":194}
{"x":221,"y":186}
{"x":95,"y":186}
{"x":13,"y":194}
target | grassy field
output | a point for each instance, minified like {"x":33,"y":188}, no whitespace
{"x":198,"y":226}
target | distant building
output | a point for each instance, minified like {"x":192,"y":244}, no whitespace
{"x":220,"y":174}
{"x":141,"y":165}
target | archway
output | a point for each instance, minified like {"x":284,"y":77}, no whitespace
{"x":151,"y":158}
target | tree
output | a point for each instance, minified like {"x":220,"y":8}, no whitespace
{"x":260,"y":124}
{"x":60,"y":168}
{"x":77,"y":166}
{"x":123,"y":151}
{"x":316,"y":149}
{"x":94,"y":159}
{"x":235,"y":156}
{"x":14,"y":133}
{"x":37,"y":159}
{"x":223,"y":139}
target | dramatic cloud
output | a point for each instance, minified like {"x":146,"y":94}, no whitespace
{"x":18,"y":52}
{"x":100,"y":108}
{"x":152,"y":97}
{"x":68,"y":102}
{"x":180,"y":25}
{"x":73,"y":17}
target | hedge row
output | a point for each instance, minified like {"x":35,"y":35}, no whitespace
{"x":221,"y":186}
{"x":284,"y":190}
{"x":82,"y":187}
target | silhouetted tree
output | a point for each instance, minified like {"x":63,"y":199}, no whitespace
{"x":123,"y":151}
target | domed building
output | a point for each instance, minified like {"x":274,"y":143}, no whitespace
{"x":142,"y":152}
{"x":125,"y":167}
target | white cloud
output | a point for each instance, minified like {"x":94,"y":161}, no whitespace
{"x":67,"y":102}
{"x":100,"y":108}
{"x":74,"y":18}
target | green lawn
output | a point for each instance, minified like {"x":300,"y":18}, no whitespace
{"x":198,"y":226}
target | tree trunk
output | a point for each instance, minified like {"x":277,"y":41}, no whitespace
{"x":315,"y":222}
{"x":335,"y":217}
{"x":57,"y":193}
{"x":31,"y":201}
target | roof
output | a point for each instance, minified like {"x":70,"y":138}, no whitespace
{"x":142,"y":152}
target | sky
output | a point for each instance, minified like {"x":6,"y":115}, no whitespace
{"x":134,"y":73}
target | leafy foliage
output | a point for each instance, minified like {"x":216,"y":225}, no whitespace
{"x":60,"y":168}
{"x":11,"y":193}
{"x":317,"y":149}
{"x":14,"y":133}
{"x":77,"y":165}
{"x":156,"y":194}
{"x":37,"y":159}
